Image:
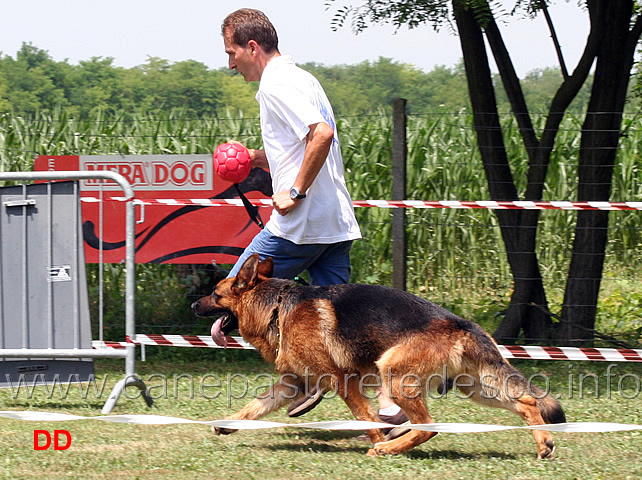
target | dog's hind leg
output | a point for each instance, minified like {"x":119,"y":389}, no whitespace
{"x":277,"y":396}
{"x":509,"y":392}
{"x":406,"y":389}
{"x":527,"y":409}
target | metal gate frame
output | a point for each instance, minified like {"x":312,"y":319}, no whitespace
{"x":129,"y":353}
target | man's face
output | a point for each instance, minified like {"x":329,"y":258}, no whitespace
{"x":241,"y":59}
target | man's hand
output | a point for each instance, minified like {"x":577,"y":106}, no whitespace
{"x":283,"y":203}
{"x":257,"y":157}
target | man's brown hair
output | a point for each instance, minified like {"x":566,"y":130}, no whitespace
{"x":248,"y":24}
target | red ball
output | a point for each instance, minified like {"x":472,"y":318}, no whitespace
{"x":232,"y":162}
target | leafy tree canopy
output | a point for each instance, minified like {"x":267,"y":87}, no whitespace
{"x":33,"y":81}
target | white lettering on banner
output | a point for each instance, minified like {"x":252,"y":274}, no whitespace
{"x":153,"y":173}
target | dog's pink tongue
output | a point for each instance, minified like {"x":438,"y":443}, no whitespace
{"x":217,"y":332}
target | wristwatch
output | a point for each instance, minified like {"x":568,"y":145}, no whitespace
{"x":295,"y":194}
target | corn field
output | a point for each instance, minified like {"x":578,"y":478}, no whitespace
{"x":455,"y":257}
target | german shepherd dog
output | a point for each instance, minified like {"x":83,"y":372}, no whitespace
{"x":335,"y":335}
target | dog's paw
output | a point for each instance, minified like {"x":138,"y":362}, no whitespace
{"x":547,"y":453}
{"x":373,"y":453}
{"x":222,"y":431}
{"x":381,"y":449}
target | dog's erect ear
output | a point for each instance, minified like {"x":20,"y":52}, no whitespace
{"x":247,"y":274}
{"x":266,"y":268}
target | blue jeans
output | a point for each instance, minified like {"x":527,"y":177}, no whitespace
{"x":327,"y":264}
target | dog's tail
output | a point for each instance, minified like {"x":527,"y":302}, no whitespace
{"x":516,"y":392}
{"x":549,"y":407}
{"x":502,"y":385}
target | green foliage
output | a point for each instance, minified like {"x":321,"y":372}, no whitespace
{"x":410,"y":13}
{"x":414,"y":13}
{"x":620,"y":311}
{"x":368,"y":86}
{"x":33,"y":84}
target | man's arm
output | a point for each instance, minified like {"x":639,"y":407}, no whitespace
{"x":258,"y":159}
{"x":318,"y":143}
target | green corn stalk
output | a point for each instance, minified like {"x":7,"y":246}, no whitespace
{"x":458,"y":254}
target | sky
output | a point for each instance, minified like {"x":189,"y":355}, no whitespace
{"x":131,"y":31}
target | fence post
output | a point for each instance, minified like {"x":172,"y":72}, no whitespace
{"x":399,"y":157}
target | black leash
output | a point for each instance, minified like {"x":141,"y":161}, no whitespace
{"x":252,"y":210}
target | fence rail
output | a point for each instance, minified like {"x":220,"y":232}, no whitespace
{"x":457,"y":204}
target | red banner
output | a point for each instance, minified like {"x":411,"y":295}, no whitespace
{"x":164,"y":233}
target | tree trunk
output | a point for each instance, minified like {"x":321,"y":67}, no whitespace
{"x":600,"y":138}
{"x":539,"y":151}
{"x":518,"y":227}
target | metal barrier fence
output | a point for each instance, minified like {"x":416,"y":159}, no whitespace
{"x":128,"y":353}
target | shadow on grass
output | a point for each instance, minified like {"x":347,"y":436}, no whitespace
{"x":91,"y":409}
{"x":325,"y":435}
{"x":316,"y":440}
{"x":455,"y":455}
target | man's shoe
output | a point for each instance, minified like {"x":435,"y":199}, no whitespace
{"x":305,"y":404}
{"x":399,"y":418}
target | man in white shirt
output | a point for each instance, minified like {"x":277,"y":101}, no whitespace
{"x":313,"y":223}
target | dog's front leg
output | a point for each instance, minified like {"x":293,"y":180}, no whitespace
{"x":361,"y":408}
{"x":277,"y":396}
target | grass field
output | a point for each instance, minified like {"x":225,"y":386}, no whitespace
{"x":113,"y":450}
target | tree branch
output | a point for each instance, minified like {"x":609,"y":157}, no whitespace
{"x":556,"y":43}
{"x":512,"y":86}
{"x":561,"y":100}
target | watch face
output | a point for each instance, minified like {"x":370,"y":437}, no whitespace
{"x":295,"y":194}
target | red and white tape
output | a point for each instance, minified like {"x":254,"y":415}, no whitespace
{"x":175,"y":341}
{"x":528,"y":352}
{"x":507,"y":351}
{"x":571,"y":353}
{"x":457,"y":204}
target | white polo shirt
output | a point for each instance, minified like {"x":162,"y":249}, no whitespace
{"x":291,"y":99}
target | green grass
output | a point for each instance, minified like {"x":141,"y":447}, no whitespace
{"x":111,"y":450}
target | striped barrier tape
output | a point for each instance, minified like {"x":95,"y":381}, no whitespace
{"x":507,"y":351}
{"x":571,"y":353}
{"x":481,"y":204}
{"x":574,"y":427}
{"x":529,"y":352}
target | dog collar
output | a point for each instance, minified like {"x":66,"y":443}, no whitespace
{"x":274,"y":319}
{"x":274,"y":323}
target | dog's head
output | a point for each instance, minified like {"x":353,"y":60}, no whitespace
{"x":227,"y":295}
